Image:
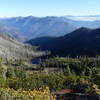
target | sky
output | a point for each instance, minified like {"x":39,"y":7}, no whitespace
{"x":12,"y":8}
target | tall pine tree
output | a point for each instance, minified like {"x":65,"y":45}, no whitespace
{"x":10,"y":71}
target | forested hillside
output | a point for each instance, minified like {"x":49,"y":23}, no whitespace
{"x":81,"y":42}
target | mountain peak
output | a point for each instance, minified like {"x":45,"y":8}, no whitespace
{"x":83,"y":29}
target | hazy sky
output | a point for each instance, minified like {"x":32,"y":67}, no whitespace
{"x":9,"y":8}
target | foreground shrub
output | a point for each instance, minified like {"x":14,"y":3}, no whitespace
{"x":11,"y":94}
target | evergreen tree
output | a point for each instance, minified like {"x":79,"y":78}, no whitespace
{"x":1,"y":70}
{"x":10,"y":71}
{"x":67,"y":71}
{"x":2,"y":80}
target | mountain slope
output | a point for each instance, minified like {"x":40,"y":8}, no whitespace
{"x":13,"y":50}
{"x":80,"y":42}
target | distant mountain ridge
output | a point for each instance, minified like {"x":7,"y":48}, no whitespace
{"x":81,"y":42}
{"x":26,"y":28}
{"x":23,"y":28}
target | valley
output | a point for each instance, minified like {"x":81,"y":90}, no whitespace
{"x":46,"y":66}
